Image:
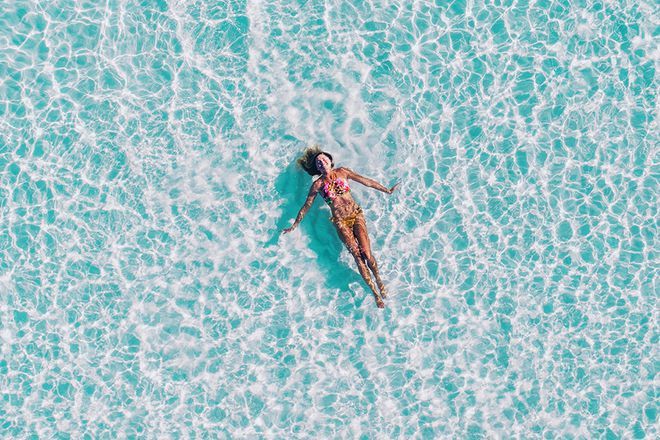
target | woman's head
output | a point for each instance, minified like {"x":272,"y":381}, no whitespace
{"x":316,"y":161}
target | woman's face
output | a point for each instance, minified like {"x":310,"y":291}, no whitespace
{"x":323,"y":163}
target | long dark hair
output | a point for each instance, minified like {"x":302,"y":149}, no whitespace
{"x":308,"y":160}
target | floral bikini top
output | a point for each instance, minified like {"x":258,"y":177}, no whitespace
{"x":334,"y":188}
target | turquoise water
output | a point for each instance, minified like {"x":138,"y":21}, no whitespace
{"x":147,"y":156}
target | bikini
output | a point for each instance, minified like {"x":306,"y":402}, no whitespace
{"x":332,"y":190}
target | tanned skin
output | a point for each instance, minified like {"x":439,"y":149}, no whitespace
{"x":356,"y":238}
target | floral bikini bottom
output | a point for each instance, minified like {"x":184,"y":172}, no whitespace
{"x":349,"y":220}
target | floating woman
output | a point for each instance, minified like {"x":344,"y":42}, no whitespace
{"x":347,"y":215}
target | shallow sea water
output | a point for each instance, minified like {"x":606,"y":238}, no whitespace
{"x":147,"y":162}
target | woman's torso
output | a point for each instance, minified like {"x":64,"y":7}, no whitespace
{"x":336,"y":192}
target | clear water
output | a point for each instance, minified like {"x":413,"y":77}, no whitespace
{"x":147,"y":157}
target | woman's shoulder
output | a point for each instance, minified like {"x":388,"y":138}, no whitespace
{"x":346,"y":173}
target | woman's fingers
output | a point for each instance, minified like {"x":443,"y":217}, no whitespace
{"x":394,"y":187}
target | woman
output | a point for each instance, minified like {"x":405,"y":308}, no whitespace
{"x":346,"y":214}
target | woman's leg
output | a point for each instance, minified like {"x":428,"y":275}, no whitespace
{"x":346,"y":235}
{"x":362,"y":236}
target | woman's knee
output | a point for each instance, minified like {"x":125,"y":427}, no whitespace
{"x":367,"y":256}
{"x":354,"y":250}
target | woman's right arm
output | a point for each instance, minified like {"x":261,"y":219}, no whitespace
{"x":308,"y":204}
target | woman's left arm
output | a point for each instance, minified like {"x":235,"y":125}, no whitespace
{"x":371,"y":183}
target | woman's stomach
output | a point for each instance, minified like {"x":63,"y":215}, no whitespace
{"x":343,"y":206}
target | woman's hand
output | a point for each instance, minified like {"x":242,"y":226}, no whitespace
{"x":391,"y":190}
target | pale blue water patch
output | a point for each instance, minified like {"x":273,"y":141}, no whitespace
{"x":147,"y":162}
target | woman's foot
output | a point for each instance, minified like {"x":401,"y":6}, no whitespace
{"x":379,"y":302}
